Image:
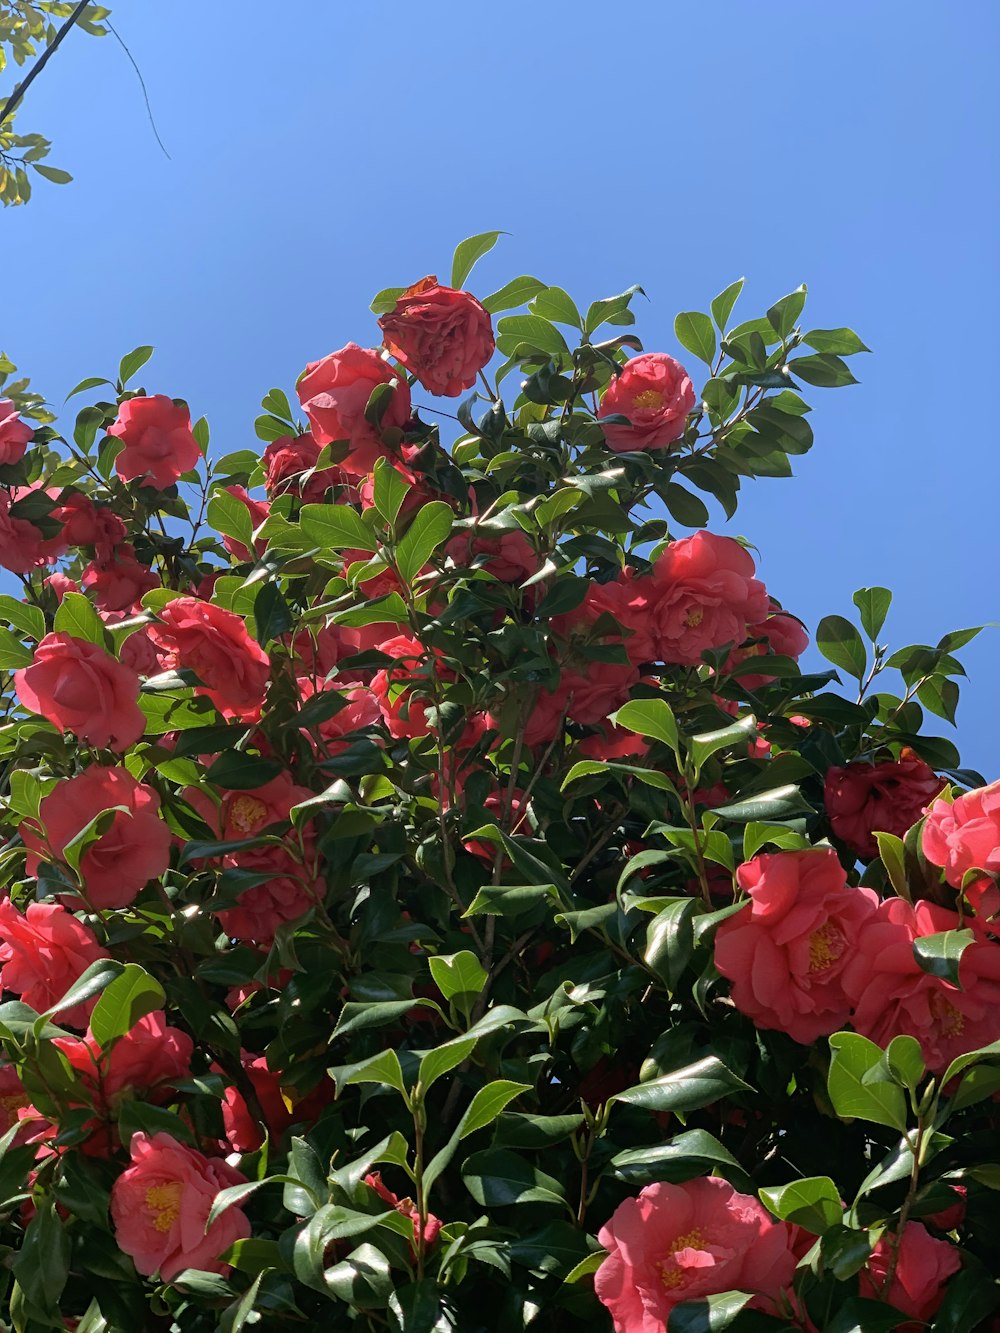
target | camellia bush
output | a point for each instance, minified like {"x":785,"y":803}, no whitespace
{"x":435,"y":898}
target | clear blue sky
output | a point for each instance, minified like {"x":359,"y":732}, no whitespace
{"x":322,"y":151}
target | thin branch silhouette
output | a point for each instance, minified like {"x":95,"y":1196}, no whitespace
{"x":142,"y":84}
{"x":14,"y":100}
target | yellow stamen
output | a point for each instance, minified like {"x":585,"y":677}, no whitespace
{"x":164,"y":1202}
{"x":694,"y":617}
{"x":246,"y":813}
{"x":671,"y":1274}
{"x":950,"y":1020}
{"x":651,"y":398}
{"x":825,"y":947}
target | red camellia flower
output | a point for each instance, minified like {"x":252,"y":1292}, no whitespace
{"x":441,"y":335}
{"x":244,"y":814}
{"x":279,"y":1108}
{"x":862,"y":799}
{"x":656,"y":394}
{"x":159,"y":445}
{"x":509,"y":557}
{"x":132,"y":851}
{"x":148,"y":1060}
{"x":286,"y":462}
{"x":117,"y":579}
{"x":78,"y":687}
{"x":965,"y":835}
{"x":684,"y":1242}
{"x":23,"y":547}
{"x":15,"y":434}
{"x":160,"y":1207}
{"x":892,"y":994}
{"x":334,"y":393}
{"x":406,"y":1207}
{"x":786,"y":954}
{"x":920,"y":1273}
{"x":215,"y":645}
{"x":288,"y":890}
{"x":403,"y":690}
{"x":44,"y":951}
{"x":704,"y":595}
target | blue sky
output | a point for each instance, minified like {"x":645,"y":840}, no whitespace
{"x":320,"y":152}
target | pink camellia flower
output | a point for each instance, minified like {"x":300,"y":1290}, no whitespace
{"x":611,"y":742}
{"x":862,"y":799}
{"x":441,"y":335}
{"x":159,"y":444}
{"x":288,"y":890}
{"x":406,"y":1207}
{"x":286,"y":462}
{"x":704,"y":596}
{"x":23,"y":546}
{"x":656,"y":394}
{"x":334,"y":393}
{"x":148,"y":1060}
{"x":684,"y":1242}
{"x":947,"y":1219}
{"x":782,"y":634}
{"x":61,"y":584}
{"x":965,"y":835}
{"x":595,"y":689}
{"x":258,"y":510}
{"x":87,"y":524}
{"x":215,"y":645}
{"x":786,"y":954}
{"x":160,"y":1207}
{"x":891,"y":994}
{"x":920,"y":1277}
{"x":117,"y":579}
{"x":133,"y":850}
{"x":244,"y":814}
{"x":361,"y":710}
{"x":44,"y":950}
{"x":78,"y":687}
{"x":15,"y":434}
{"x":509,"y":557}
{"x":403,"y":691}
{"x":279,"y":1108}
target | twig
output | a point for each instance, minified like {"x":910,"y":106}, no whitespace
{"x":142,"y":85}
{"x":14,"y":100}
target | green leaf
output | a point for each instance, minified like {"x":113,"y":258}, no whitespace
{"x":517,"y":331}
{"x":892,"y":852}
{"x":695,"y":332}
{"x":670,"y":940}
{"x":722,"y":306}
{"x":842,"y":342}
{"x":840,"y":643}
{"x":77,"y":616}
{"x":54,"y":174}
{"x":648,"y":717}
{"x":430,"y":527}
{"x":905,"y":1060}
{"x":242,"y":772}
{"x":971,"y":1296}
{"x":231,"y":517}
{"x":687,"y":1089}
{"x":498,"y":1178}
{"x":557,"y":305}
{"x":514,"y":293}
{"x":13,"y":653}
{"x":778,"y":803}
{"x":89,"y":983}
{"x":941,"y":955}
{"x":858,"y":1089}
{"x":939,"y":696}
{"x":30,"y":620}
{"x":469,"y":252}
{"x":389,"y":491}
{"x":824,"y":370}
{"x":685,"y":1156}
{"x":91,"y":382}
{"x":336,"y":528}
{"x":858,"y":1315}
{"x":813,"y":1203}
{"x":709,"y":1315}
{"x":458,"y":974}
{"x":272,"y":615}
{"x":873,"y":605}
{"x":488,"y":1103}
{"x":133,"y":362}
{"x":41,"y":1261}
{"x":612,"y":310}
{"x":784,"y":314}
{"x":128,"y":997}
{"x":381,"y":1068}
{"x":385,"y":300}
{"x":702,"y":747}
{"x":362,"y":1017}
{"x":685,"y":507}
{"x":442,"y":1060}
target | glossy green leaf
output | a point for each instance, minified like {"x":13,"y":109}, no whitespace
{"x":840,"y":643}
{"x":469,"y":252}
{"x":694,"y":331}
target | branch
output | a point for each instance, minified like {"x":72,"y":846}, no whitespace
{"x":13,"y":101}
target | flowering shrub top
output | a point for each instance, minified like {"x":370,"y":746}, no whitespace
{"x":435,"y":898}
